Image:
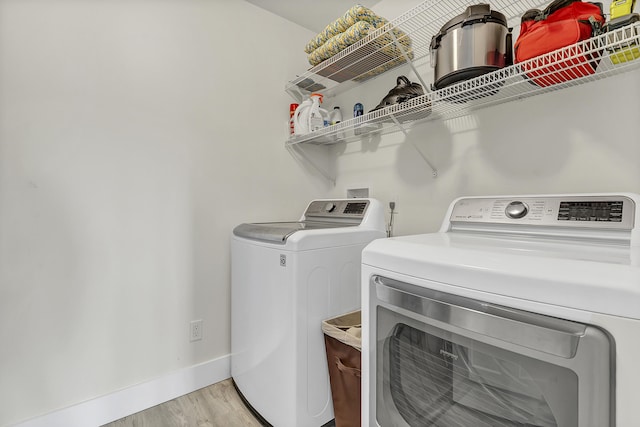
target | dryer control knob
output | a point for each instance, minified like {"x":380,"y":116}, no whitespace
{"x":516,"y":210}
{"x":329,"y":207}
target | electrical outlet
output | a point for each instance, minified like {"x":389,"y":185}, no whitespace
{"x":195,"y":330}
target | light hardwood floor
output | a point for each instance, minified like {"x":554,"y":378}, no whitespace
{"x":218,"y":405}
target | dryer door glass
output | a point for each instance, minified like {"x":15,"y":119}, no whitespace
{"x":430,"y":372}
{"x":434,"y":378}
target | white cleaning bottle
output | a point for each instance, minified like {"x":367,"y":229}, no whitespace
{"x":335,"y":117}
{"x":317,"y":116}
{"x":301,"y":118}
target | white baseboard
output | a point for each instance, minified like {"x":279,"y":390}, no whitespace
{"x":119,"y":404}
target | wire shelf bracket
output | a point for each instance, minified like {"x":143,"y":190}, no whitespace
{"x":298,"y":152}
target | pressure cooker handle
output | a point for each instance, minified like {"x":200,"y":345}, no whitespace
{"x":433,"y":48}
{"x":476,"y":13}
{"x":508,"y":53}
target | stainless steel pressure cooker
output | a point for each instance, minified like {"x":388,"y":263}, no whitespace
{"x":473,"y":43}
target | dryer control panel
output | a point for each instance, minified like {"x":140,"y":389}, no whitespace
{"x":603,"y":212}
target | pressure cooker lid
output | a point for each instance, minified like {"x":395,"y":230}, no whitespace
{"x":474,"y":14}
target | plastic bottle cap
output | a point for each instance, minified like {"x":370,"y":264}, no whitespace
{"x":319,"y":95}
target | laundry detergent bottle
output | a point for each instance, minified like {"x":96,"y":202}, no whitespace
{"x":309,"y":116}
{"x":301,"y":118}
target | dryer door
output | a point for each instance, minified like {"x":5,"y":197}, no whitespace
{"x":444,"y":360}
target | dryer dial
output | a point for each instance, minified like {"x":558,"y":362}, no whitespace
{"x":516,"y":210}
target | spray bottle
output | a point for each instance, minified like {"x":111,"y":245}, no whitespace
{"x":317,"y":116}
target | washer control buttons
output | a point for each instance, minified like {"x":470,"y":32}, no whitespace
{"x":516,"y":209}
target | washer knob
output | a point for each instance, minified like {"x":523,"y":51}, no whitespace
{"x":516,"y":210}
{"x":329,"y":207}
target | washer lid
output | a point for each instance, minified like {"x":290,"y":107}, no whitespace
{"x":278,"y":232}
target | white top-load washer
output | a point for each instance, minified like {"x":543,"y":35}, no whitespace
{"x":287,"y":277}
{"x":521,"y":310}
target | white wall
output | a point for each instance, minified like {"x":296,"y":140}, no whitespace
{"x":134,"y":134}
{"x":583,"y":139}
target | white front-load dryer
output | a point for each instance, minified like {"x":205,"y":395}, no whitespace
{"x":288,"y":277}
{"x":521,"y":311}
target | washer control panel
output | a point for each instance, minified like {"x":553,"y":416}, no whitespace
{"x":608,"y":211}
{"x":327,"y":210}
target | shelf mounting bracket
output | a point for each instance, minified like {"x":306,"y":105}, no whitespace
{"x":434,"y":171}
{"x":298,"y":151}
{"x":407,"y":59}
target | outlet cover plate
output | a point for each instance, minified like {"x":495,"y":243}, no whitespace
{"x":358,"y":193}
{"x":195,"y":330}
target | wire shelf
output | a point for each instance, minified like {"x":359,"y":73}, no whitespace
{"x":406,"y":38}
{"x":594,"y":59}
